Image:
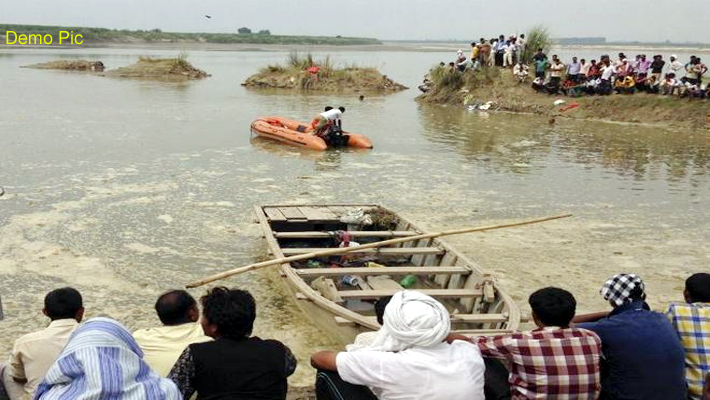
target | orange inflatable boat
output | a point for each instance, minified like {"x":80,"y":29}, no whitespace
{"x":299,"y":134}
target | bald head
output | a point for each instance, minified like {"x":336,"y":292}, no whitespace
{"x":176,"y":307}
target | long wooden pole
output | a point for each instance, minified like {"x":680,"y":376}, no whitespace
{"x":342,"y":250}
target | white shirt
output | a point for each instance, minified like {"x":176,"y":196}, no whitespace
{"x":446,"y":371}
{"x":675,"y":67}
{"x":607,"y":73}
{"x":333,"y":115}
{"x":509,"y":49}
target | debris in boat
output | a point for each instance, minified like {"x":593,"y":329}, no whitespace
{"x":356,"y":217}
{"x":383,"y":219}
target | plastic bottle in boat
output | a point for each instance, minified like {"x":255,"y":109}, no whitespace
{"x":350,"y":280}
{"x":408,"y":281}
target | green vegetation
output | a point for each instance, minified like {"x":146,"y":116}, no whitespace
{"x":103,"y":35}
{"x":537,"y":37}
{"x":304,"y":72}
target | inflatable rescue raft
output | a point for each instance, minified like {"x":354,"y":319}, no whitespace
{"x":299,"y":134}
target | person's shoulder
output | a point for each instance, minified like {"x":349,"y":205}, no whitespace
{"x":32,"y":337}
{"x":267,"y":343}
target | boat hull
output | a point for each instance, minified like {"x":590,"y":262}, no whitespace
{"x":477,"y":305}
{"x":299,"y":134}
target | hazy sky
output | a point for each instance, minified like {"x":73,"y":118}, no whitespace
{"x":644,"y":20}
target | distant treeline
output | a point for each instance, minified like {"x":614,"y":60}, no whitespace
{"x":103,"y":35}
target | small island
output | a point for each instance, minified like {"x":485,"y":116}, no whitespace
{"x":160,"y":68}
{"x":70,"y":65}
{"x":307,"y":73}
{"x":172,"y":69}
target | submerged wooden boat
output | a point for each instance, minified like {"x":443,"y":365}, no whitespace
{"x":299,"y":134}
{"x":339,"y":291}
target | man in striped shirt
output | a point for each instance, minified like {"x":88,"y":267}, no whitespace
{"x":553,"y":361}
{"x":692,"y":321}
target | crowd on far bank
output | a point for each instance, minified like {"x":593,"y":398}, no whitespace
{"x":577,"y":77}
{"x":630,"y":352}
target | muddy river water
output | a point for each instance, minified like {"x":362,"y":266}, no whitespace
{"x":125,"y":189}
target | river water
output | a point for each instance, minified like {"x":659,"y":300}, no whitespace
{"x":127,"y":188}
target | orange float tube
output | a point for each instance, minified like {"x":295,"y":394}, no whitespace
{"x":296,"y":133}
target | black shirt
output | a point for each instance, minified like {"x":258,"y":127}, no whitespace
{"x":657,"y":66}
{"x":234,"y":369}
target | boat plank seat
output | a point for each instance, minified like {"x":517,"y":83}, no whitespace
{"x":383,"y":283}
{"x":408,"y":270}
{"x":354,"y":234}
{"x":318,"y":214}
{"x":441,"y":293}
{"x":292,"y":213}
{"x":274,"y":214}
{"x":455,"y":318}
{"x":389,"y":251}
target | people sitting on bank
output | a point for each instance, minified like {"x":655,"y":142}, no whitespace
{"x":691,"y":321}
{"x":101,"y":360}
{"x":366,"y":339}
{"x":644,"y":358}
{"x":520,"y":71}
{"x":34,"y":353}
{"x":235,"y":365}
{"x":625,"y":85}
{"x":554,"y":361}
{"x":668,"y":85}
{"x":179,"y":314}
{"x":410,"y":359}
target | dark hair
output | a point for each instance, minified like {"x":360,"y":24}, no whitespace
{"x":328,"y":108}
{"x":173,"y":306}
{"x":342,"y":109}
{"x":698,"y":287}
{"x":233,"y":311}
{"x":539,"y":49}
{"x":380,"y":306}
{"x":553,"y":306}
{"x":473,"y":44}
{"x":637,"y":293}
{"x":63,"y":303}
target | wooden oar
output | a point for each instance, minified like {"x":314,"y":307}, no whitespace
{"x":342,"y":250}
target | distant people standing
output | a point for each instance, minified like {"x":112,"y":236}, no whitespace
{"x":508,"y":54}
{"x":642,"y":67}
{"x":676,"y":67}
{"x":556,"y":70}
{"x":593,"y":71}
{"x":521,"y":42}
{"x":500,"y":50}
{"x":584,"y":70}
{"x":484,"y":54}
{"x":657,"y":67}
{"x":539,"y":55}
{"x":34,"y":353}
{"x":475,"y":48}
{"x":573,"y":70}
{"x":541,"y":65}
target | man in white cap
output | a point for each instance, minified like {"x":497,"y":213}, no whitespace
{"x":645,"y":359}
{"x":409,"y":360}
{"x":461,"y":60}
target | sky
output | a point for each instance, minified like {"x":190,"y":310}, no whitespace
{"x":642,"y":20}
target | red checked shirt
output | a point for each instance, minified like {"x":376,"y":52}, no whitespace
{"x":549,"y":363}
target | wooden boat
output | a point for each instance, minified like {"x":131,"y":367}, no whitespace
{"x":324,"y":288}
{"x":296,"y":133}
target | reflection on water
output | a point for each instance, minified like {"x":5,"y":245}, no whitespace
{"x":126,"y":188}
{"x":515,"y":143}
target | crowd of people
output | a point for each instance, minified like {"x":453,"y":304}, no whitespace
{"x":630,"y":352}
{"x":622,"y":76}
{"x":580,"y":76}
